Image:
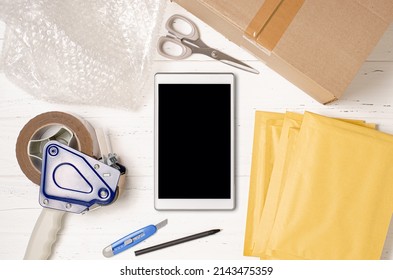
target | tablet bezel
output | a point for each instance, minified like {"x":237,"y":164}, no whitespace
{"x":194,"y":204}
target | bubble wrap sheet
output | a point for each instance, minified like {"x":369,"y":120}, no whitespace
{"x":95,"y":52}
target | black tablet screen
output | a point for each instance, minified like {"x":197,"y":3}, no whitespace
{"x":194,"y":141}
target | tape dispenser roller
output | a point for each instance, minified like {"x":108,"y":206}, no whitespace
{"x":71,"y":163}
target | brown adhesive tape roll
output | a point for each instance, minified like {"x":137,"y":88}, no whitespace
{"x":84,"y":133}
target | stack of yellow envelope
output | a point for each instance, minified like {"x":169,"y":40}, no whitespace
{"x":320,"y":188}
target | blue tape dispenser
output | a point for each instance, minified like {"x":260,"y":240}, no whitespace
{"x":74,"y":182}
{"x":70,"y":182}
{"x":53,"y":145}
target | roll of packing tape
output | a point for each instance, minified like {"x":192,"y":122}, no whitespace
{"x":59,"y":126}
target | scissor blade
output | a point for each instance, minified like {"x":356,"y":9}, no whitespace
{"x":240,"y":66}
{"x":224,"y":58}
{"x":218,"y":55}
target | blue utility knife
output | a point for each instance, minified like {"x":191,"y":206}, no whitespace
{"x":132,"y":239}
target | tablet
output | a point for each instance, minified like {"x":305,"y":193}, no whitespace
{"x":194,"y":141}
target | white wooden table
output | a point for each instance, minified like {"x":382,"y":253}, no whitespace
{"x":370,"y":97}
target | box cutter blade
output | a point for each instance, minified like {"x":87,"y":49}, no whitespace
{"x":74,"y":182}
{"x":132,"y":239}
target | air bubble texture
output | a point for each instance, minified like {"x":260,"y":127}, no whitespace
{"x":91,"y":52}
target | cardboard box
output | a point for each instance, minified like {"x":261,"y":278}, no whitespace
{"x":318,"y":45}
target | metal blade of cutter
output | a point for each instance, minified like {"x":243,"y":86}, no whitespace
{"x":161,"y":224}
{"x":74,"y":182}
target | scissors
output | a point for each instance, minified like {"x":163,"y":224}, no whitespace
{"x":191,"y":43}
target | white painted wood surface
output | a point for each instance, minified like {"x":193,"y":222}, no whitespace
{"x":370,"y":97}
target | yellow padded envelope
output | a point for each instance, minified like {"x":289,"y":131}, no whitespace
{"x":269,"y":148}
{"x":286,"y":144}
{"x":267,"y":130}
{"x":337,"y":199}
{"x":284,"y":152}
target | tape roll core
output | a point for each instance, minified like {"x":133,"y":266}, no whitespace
{"x":84,"y":133}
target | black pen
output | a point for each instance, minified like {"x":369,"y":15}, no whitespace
{"x":175,"y":242}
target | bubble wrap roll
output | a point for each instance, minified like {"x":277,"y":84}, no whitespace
{"x":95,"y":52}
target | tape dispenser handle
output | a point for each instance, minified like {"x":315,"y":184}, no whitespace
{"x":44,"y":234}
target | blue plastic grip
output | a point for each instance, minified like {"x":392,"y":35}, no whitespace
{"x":133,"y":239}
